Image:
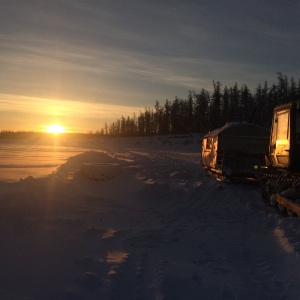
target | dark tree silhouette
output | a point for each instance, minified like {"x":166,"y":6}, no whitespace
{"x":201,"y":112}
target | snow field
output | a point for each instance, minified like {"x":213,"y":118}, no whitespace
{"x":161,"y":229}
{"x":100,"y":172}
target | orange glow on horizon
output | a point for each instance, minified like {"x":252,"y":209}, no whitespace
{"x":55,"y":129}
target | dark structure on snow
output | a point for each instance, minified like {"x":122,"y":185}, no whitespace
{"x":236,"y":149}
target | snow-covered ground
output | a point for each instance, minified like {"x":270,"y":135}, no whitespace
{"x":160,"y":229}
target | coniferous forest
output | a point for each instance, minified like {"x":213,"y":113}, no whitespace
{"x":203,"y":111}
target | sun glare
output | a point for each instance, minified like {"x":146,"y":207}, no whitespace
{"x":55,"y":129}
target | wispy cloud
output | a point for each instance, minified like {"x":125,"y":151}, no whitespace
{"x":89,"y":54}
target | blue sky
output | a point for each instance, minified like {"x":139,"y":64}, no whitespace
{"x":84,"y":63}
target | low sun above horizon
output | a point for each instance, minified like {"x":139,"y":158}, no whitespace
{"x":55,"y":129}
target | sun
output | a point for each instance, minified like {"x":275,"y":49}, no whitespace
{"x":55,"y":129}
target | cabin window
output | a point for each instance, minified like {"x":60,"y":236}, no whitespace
{"x":208,"y":143}
{"x":283,"y":126}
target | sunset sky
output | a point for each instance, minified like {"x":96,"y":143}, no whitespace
{"x":83,"y":63}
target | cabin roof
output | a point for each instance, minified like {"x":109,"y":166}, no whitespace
{"x":240,"y":129}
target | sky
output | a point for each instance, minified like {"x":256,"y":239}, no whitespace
{"x":83,"y":63}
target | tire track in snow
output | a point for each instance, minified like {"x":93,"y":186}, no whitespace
{"x":238,"y":214}
{"x":207,"y":239}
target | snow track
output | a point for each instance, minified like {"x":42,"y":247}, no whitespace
{"x":196,"y":236}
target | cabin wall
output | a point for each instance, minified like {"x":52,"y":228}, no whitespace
{"x":258,"y":145}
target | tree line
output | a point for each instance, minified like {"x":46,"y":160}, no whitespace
{"x":205,"y":111}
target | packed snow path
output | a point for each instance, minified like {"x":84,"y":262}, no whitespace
{"x":160,"y":230}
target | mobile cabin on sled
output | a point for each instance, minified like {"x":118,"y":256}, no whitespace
{"x":280,"y":183}
{"x":235,"y":150}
